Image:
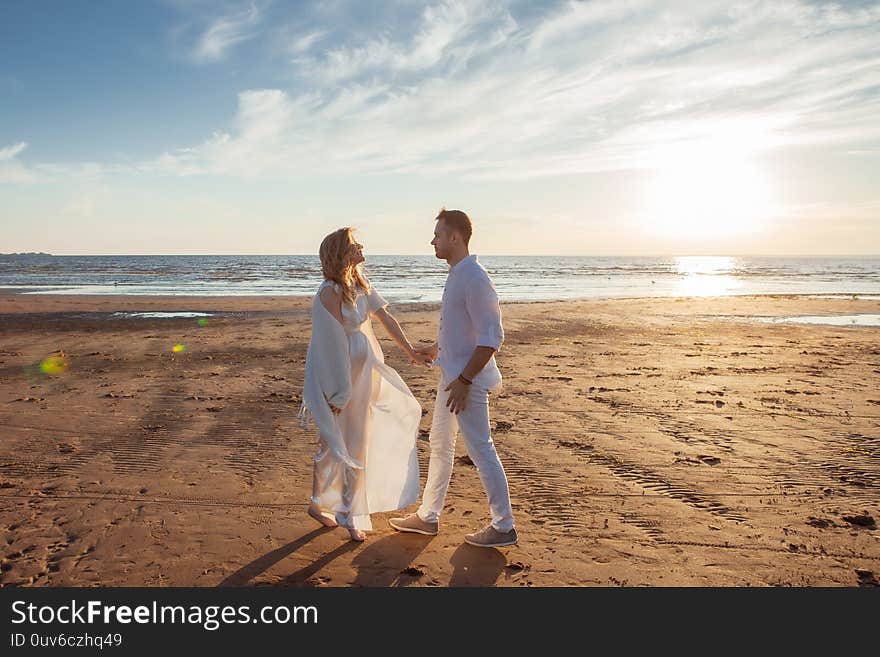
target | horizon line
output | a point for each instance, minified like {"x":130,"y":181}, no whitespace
{"x":489,"y":255}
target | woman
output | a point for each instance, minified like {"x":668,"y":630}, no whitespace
{"x":366,"y":417}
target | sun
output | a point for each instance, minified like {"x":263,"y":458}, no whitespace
{"x":708,"y":189}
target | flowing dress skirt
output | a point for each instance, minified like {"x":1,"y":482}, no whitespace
{"x":379,"y":425}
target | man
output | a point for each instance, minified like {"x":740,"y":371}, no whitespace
{"x":470,"y":333}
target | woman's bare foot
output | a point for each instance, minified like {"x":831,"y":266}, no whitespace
{"x":321,"y":517}
{"x":357,"y":535}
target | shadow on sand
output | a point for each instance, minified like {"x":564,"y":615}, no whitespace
{"x":476,"y":566}
{"x":384,"y":562}
{"x":245,"y":574}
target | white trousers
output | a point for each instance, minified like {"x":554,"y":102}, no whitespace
{"x":473,"y":422}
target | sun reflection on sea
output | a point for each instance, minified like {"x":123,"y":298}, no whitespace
{"x":706,"y":276}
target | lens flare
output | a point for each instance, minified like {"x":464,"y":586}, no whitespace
{"x":178,"y":348}
{"x":203,"y":322}
{"x":53,"y":365}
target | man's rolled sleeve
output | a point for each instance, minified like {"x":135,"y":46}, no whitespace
{"x":482,"y":304}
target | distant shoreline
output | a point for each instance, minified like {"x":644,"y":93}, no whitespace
{"x":649,"y":256}
{"x":13,"y":292}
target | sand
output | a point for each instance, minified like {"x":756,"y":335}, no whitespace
{"x":664,"y":442}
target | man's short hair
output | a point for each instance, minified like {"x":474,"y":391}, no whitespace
{"x":458,"y":221}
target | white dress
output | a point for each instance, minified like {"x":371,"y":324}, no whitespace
{"x":367,"y":459}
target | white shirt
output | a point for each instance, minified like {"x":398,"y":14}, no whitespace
{"x":470,"y":316}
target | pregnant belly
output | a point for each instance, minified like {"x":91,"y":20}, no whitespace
{"x":358,"y":349}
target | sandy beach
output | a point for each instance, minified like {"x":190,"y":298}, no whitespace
{"x":647,"y":442}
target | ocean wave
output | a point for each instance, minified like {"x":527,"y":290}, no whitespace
{"x":422,"y":277}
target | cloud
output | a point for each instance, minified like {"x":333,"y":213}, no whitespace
{"x":492,"y":90}
{"x":225,"y":32}
{"x":264,"y":138}
{"x":446,"y":32}
{"x":11,"y":170}
{"x":10,"y":152}
{"x":575,"y":17}
{"x":475,"y":90}
{"x":305,"y":42}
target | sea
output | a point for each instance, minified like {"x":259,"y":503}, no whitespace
{"x":420,"y":278}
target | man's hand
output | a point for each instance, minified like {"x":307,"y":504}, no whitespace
{"x":428,"y":355}
{"x":458,"y":391}
{"x":419,"y":357}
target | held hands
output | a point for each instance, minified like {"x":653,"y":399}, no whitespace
{"x":432,"y":352}
{"x":424,"y":356}
{"x":336,"y":411}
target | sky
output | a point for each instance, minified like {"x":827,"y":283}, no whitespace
{"x":630,"y":127}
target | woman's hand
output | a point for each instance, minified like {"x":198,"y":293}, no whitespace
{"x":417,"y":357}
{"x":420,"y":357}
{"x":430,"y":352}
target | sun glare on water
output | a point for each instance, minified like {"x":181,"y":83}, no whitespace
{"x":706,"y":276}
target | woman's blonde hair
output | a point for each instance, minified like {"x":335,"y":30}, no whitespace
{"x":335,"y":264}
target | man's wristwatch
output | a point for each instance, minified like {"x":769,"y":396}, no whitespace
{"x":464,"y":380}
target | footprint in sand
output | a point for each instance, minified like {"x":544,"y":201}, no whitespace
{"x":867,"y":578}
{"x":821,"y":523}
{"x":863,"y":520}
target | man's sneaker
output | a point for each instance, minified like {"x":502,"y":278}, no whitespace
{"x":491,"y":537}
{"x":412,"y":523}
